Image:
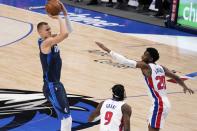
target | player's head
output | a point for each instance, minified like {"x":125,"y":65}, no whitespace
{"x":44,"y":29}
{"x":118,"y":92}
{"x":151,"y":55}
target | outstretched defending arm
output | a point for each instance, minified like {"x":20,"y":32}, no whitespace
{"x":123,"y":60}
{"x":117,"y":57}
{"x":178,"y":80}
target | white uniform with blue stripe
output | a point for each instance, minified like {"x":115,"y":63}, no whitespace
{"x":157,"y":92}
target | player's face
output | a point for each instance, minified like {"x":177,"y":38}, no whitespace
{"x":146,"y":57}
{"x":45,"y":31}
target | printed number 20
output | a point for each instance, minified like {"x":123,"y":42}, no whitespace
{"x":108,"y":116}
{"x":161,"y":84}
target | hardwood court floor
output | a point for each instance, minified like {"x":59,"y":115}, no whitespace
{"x":20,"y":69}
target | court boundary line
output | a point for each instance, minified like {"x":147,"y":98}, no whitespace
{"x":30,"y":31}
{"x":136,"y":96}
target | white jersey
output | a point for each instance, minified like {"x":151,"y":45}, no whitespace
{"x":157,"y":92}
{"x":156,"y":82}
{"x":111,"y":116}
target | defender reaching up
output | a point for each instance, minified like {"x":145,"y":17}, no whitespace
{"x":154,"y":75}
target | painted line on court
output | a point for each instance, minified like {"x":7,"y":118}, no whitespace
{"x":186,"y":77}
{"x":194,"y":74}
{"x":31,"y":29}
{"x":136,"y":96}
{"x":132,"y":46}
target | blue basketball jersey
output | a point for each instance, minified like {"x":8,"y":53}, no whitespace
{"x":51,"y":63}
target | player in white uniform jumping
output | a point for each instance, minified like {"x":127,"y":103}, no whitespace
{"x":155,"y":78}
{"x":114,"y":113}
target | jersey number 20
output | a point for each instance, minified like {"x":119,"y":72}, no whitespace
{"x":161,"y":84}
{"x":108,"y":116}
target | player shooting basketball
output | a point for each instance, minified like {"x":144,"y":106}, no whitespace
{"x":51,"y":62}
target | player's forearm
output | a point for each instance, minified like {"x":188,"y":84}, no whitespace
{"x":62,"y":27}
{"x":180,"y":82}
{"x":64,"y":11}
{"x":127,"y":127}
{"x":67,"y":21}
{"x":91,"y":117}
{"x":123,"y":60}
{"x":68,"y":24}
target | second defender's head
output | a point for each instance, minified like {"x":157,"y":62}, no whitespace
{"x":118,"y":92}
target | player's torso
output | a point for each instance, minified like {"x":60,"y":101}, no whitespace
{"x":111,"y":115}
{"x":51,"y":64}
{"x":156,"y":83}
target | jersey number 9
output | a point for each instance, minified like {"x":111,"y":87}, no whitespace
{"x":108,"y":116}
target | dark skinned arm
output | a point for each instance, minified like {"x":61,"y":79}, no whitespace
{"x":139,"y":64}
{"x":126,"y":111}
{"x":170,"y":74}
{"x":95,"y":113}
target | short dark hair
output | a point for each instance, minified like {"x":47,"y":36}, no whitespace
{"x":118,"y":92}
{"x":153,"y":53}
{"x":39,"y":25}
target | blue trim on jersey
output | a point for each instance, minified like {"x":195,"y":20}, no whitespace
{"x":154,"y":115}
{"x":48,"y":62}
{"x":48,"y":58}
{"x":39,"y":41}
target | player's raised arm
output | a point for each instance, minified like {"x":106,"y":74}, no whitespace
{"x":170,"y":74}
{"x":121,"y":59}
{"x":63,"y":34}
{"x":68,"y":23}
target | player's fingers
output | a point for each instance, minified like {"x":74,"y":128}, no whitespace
{"x":99,"y":44}
{"x":192,"y":92}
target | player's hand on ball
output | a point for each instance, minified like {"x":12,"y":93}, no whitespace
{"x":63,"y":8}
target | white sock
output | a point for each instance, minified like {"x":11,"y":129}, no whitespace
{"x":66,"y":124}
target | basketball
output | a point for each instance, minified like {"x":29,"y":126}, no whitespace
{"x":53,"y":7}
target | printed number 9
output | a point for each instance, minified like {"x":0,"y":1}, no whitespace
{"x":108,"y":117}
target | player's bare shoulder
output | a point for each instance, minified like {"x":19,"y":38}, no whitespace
{"x":126,"y":109}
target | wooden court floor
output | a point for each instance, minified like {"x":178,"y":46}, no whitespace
{"x":20,"y":69}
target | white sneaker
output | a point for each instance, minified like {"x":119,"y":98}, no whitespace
{"x":66,"y":124}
